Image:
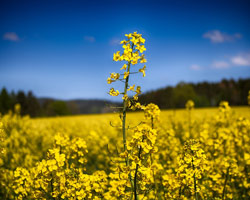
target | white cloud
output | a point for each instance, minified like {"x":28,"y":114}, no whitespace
{"x":114,"y":41}
{"x":216,"y":36}
{"x":220,"y":65}
{"x":89,"y":38}
{"x":195,"y":67}
{"x":11,"y":36}
{"x":241,"y":60}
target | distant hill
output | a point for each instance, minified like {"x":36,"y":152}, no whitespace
{"x":83,"y":106}
{"x":91,"y":106}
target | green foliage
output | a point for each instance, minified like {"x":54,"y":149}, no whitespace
{"x":6,"y":101}
{"x":58,"y":108}
{"x":204,"y":94}
{"x":182,"y":93}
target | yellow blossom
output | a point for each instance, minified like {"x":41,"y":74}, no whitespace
{"x":131,"y":88}
{"x":112,"y":92}
{"x":124,"y":67}
{"x":138,"y":90}
{"x":142,"y":70}
{"x":126,"y":74}
{"x":116,"y":56}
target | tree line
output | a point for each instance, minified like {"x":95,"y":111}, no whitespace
{"x":204,"y":94}
{"x":30,"y":105}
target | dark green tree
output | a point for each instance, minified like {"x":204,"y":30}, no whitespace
{"x":33,"y":108}
{"x":5,"y":101}
{"x":58,"y":108}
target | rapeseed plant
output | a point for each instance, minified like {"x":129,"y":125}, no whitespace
{"x":133,"y":48}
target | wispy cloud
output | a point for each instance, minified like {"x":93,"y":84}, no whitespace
{"x":220,"y":65}
{"x":195,"y":67}
{"x":233,"y":61}
{"x":114,"y":42}
{"x":11,"y":36}
{"x":216,"y":36}
{"x":89,"y":38}
{"x":241,"y":60}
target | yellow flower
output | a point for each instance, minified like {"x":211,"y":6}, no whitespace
{"x":134,"y":40}
{"x":142,"y":70}
{"x":128,"y":35}
{"x":126,"y":74}
{"x":152,"y":111}
{"x":127,"y":49}
{"x":142,"y":40}
{"x":116,"y":56}
{"x":124,"y":67}
{"x":115,"y":76}
{"x":189,"y":105}
{"x":135,"y":97}
{"x":112,"y":92}
{"x":109,"y":80}
{"x":138,"y":90}
{"x":123,"y":42}
{"x":143,"y":59}
{"x":125,"y":97}
{"x":141,"y":48}
{"x":131,"y":88}
{"x":134,"y":62}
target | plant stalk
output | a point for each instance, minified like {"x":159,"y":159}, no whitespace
{"x":195,"y":186}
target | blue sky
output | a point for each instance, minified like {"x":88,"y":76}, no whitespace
{"x":64,"y":49}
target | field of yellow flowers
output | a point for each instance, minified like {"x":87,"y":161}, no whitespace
{"x":80,"y":157}
{"x":178,"y":154}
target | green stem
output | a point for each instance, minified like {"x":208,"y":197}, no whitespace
{"x":135,"y":178}
{"x":180,"y":192}
{"x":152,"y":122}
{"x":52,"y":188}
{"x":195,"y":186}
{"x":225,"y":184}
{"x":124,"y":113}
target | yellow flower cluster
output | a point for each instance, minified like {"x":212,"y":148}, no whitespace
{"x":224,"y":113}
{"x":152,"y":112}
{"x":61,"y":174}
{"x":192,"y":164}
{"x":133,"y":48}
{"x":118,"y":187}
{"x":224,"y":106}
{"x":189,"y":105}
{"x":144,"y":138}
{"x":140,"y":170}
{"x":84,"y":169}
{"x":141,"y":148}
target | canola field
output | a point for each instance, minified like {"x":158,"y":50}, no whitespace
{"x":147,"y":155}
{"x":81,"y":157}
